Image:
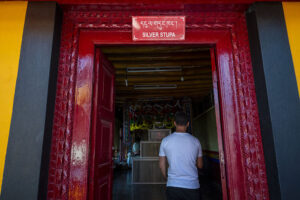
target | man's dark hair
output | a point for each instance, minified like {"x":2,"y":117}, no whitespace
{"x":181,"y":118}
{"x":137,"y":138}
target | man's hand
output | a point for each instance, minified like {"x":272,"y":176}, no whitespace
{"x":199,"y":162}
{"x":163,"y":165}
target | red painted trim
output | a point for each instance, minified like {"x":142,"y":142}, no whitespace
{"x":94,"y":126}
{"x":83,"y":29}
{"x":159,"y":2}
{"x":80,"y":146}
{"x":221,"y":153}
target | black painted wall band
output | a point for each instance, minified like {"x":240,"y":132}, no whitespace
{"x":27,"y":159}
{"x":277,"y":97}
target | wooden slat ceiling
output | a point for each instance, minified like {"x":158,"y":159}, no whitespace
{"x":193,"y":61}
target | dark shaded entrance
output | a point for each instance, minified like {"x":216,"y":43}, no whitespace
{"x":152,"y":84}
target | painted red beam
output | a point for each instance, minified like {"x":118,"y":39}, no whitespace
{"x":160,"y":1}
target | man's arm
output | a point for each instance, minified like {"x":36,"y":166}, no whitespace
{"x":163,"y":165}
{"x":199,"y":162}
{"x":199,"y":158}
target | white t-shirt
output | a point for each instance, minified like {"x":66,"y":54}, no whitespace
{"x":182,"y":151}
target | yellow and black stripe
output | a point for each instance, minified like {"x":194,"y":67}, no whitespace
{"x":12,"y":18}
{"x":292,"y":20}
{"x":31,"y":80}
{"x":277,"y":93}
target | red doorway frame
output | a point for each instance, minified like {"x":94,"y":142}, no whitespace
{"x":222,"y":27}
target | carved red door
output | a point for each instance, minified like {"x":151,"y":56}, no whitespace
{"x":100,"y":183}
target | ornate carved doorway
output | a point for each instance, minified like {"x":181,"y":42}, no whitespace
{"x":222,"y":27}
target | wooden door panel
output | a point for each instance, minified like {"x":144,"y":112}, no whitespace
{"x":103,"y":141}
{"x":101,"y":169}
{"x":107,"y":92}
{"x":102,"y":190}
{"x":102,"y":173}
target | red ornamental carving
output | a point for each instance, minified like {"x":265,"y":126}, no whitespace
{"x":241,"y":131}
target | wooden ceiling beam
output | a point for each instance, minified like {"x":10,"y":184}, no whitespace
{"x":158,"y":56}
{"x":195,"y":61}
{"x":162,"y":79}
{"x":190,"y":71}
{"x":128,"y":89}
{"x":124,"y":88}
{"x":135,"y":97}
{"x":191,"y":86}
{"x":141,"y":63}
{"x":164,"y":94}
{"x":178,"y":82}
{"x":166,"y":76}
{"x":154,"y":95}
{"x":163,"y":91}
{"x":159,"y":82}
{"x":152,"y":49}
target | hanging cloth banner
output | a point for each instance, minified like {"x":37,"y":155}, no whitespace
{"x":149,"y":28}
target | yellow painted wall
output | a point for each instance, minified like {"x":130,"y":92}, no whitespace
{"x":292,"y":20}
{"x":12,"y":18}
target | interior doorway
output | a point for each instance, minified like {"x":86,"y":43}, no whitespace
{"x":152,"y":83}
{"x":85,"y":30}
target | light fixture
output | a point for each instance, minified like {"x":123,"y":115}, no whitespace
{"x":182,"y":78}
{"x":155,"y":99}
{"x":154,"y":69}
{"x":126,"y":80}
{"x":155,"y":87}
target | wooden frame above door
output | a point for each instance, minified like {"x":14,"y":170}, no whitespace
{"x":222,"y":27}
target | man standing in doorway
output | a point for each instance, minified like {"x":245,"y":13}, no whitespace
{"x":183,"y":153}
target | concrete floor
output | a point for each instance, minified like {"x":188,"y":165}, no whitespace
{"x":124,"y":190}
